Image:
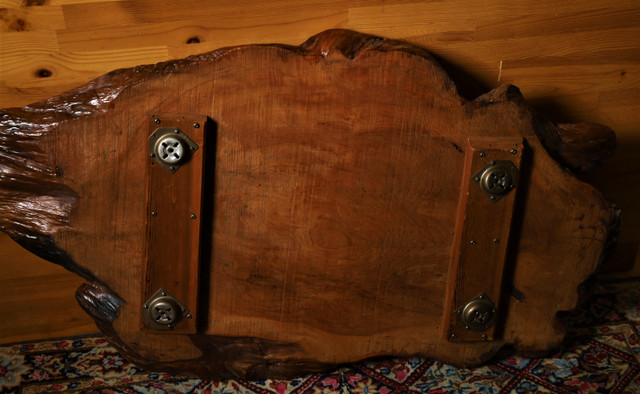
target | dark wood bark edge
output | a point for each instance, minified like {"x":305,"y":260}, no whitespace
{"x":223,"y":357}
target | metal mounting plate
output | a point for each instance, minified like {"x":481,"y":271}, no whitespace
{"x":171,"y":148}
{"x":163,"y":312}
{"x":478,"y":314}
{"x":497,"y":179}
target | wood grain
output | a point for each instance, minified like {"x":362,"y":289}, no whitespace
{"x":335,"y":194}
{"x":575,"y":61}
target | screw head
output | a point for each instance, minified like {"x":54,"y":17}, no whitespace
{"x":496,"y":241}
{"x":473,"y":242}
{"x":513,"y":151}
{"x":154,"y":213}
{"x":482,"y":154}
{"x":193,"y":216}
{"x":196,"y":125}
{"x":157,"y":120}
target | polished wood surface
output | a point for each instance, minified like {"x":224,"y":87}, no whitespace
{"x":342,"y":221}
{"x":577,"y":61}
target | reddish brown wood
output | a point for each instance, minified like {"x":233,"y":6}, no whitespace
{"x":174,"y":210}
{"x":331,"y":208}
{"x":481,"y":237}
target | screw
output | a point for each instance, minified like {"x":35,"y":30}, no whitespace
{"x":480,"y":297}
{"x":477,"y":179}
{"x":196,"y":125}
{"x":172,"y":168}
{"x":473,"y":242}
{"x":484,"y":337}
{"x":496,"y":241}
{"x":193,"y":216}
{"x":453,"y":336}
{"x":157,"y":120}
{"x":146,"y":307}
{"x":492,"y":198}
{"x":513,"y":151}
{"x":482,"y":154}
{"x":466,"y":327}
{"x":154,"y":213}
{"x":177,"y":131}
{"x":189,"y":317}
{"x":163,"y":294}
{"x":153,"y":155}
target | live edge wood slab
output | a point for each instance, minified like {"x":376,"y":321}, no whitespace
{"x":331,"y":213}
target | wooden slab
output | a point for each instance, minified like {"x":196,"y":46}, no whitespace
{"x":331,"y":214}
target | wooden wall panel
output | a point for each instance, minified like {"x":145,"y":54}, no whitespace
{"x":575,"y":61}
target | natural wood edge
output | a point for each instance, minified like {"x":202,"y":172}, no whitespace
{"x":584,"y":146}
{"x":579,"y":147}
{"x":223,"y":357}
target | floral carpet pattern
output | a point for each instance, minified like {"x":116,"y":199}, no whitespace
{"x":601,"y":355}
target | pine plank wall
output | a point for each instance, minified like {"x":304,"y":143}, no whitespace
{"x":573,"y":60}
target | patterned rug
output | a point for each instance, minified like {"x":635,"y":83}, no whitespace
{"x":601,"y":355}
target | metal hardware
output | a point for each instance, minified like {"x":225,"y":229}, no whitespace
{"x":497,"y":179}
{"x":171,"y":148}
{"x":162,"y":311}
{"x":478,"y":314}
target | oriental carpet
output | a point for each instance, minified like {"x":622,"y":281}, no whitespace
{"x":600,"y":355}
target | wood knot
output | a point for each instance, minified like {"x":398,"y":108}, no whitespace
{"x":43,"y":73}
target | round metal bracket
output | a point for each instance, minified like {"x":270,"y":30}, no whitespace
{"x":497,"y":179}
{"x":478,"y":314}
{"x":171,"y":148}
{"x":162,"y":311}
